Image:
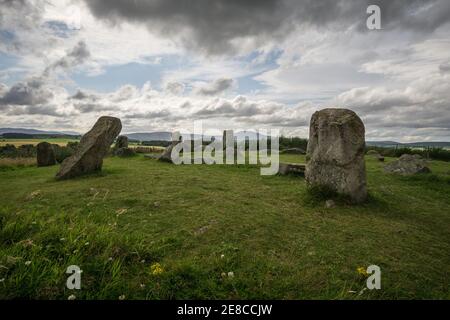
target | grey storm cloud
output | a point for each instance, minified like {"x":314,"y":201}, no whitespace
{"x":216,"y":87}
{"x":213,"y":25}
{"x":31,"y":92}
{"x":46,"y":110}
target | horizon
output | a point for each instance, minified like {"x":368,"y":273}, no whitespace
{"x":270,"y":66}
{"x":210,"y":135}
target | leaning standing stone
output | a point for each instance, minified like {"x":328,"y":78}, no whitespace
{"x":335,"y":153}
{"x":45,"y":154}
{"x":93,"y":147}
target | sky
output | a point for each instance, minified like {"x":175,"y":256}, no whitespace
{"x":160,"y":65}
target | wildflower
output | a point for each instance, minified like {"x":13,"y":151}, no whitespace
{"x":71,"y":297}
{"x":122,"y":297}
{"x":110,"y":259}
{"x":142,"y":286}
{"x":156,"y":269}
{"x":231,"y":274}
{"x":222,"y":256}
{"x":27,"y":263}
{"x":362,"y":271}
{"x":143,"y":261}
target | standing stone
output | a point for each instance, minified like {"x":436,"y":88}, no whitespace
{"x":228,"y":136}
{"x":335,"y":153}
{"x":167,"y":154}
{"x":121,"y":147}
{"x":121,"y":142}
{"x":45,"y":154}
{"x":93,"y":147}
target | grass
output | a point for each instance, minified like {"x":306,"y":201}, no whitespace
{"x":16,"y":163}
{"x":19,"y":142}
{"x":200,"y":221}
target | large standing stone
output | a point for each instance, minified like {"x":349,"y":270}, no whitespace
{"x":93,"y":147}
{"x":45,"y":154}
{"x":335,"y":153}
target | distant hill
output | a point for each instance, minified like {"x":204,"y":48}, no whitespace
{"x":36,"y":132}
{"x":424,"y":144}
{"x":167,"y":136}
{"x":150,"y":136}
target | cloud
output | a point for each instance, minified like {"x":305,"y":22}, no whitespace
{"x":81,"y":95}
{"x":219,"y":26}
{"x":34,"y":91}
{"x":444,"y":67}
{"x":175,"y":88}
{"x":76,"y":56}
{"x":89,"y":107}
{"x":216,"y":87}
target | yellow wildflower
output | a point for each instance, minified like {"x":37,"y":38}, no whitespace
{"x":362,"y":271}
{"x":156,"y":269}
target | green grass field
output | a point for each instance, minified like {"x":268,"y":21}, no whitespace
{"x":201,"y":222}
{"x":19,"y":142}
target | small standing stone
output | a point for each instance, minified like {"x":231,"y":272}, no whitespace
{"x":45,"y":154}
{"x":408,"y":164}
{"x":121,"y":142}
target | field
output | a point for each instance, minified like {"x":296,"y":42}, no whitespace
{"x":19,"y":142}
{"x":199,"y":223}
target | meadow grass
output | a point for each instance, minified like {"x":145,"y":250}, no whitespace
{"x":19,"y":142}
{"x":200,"y":222}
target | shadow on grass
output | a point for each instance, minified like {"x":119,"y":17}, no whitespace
{"x":317,"y":196}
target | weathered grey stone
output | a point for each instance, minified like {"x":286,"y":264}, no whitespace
{"x":121,"y":142}
{"x":408,"y":164}
{"x":330,"y":204}
{"x":287,"y":168}
{"x":227,"y":137}
{"x":124,"y":152}
{"x":166,"y":156}
{"x":45,"y":154}
{"x":93,"y":147}
{"x":335,"y":153}
{"x":375,"y":154}
{"x":372,"y":152}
